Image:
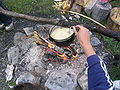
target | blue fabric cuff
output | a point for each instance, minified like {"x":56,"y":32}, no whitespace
{"x":93,"y":59}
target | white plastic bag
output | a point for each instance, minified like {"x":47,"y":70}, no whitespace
{"x":117,"y":84}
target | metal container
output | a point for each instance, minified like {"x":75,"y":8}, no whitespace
{"x":62,"y":36}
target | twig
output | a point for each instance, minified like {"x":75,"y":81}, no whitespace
{"x":86,"y":18}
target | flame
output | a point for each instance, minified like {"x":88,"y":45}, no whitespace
{"x":63,"y":55}
{"x":51,"y":46}
{"x":74,"y":56}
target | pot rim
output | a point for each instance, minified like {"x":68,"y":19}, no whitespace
{"x":53,"y":28}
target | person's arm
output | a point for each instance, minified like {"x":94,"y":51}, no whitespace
{"x":98,"y":78}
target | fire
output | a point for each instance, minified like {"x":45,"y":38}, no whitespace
{"x":74,"y":56}
{"x":63,"y":55}
{"x":50,"y":45}
{"x":65,"y":52}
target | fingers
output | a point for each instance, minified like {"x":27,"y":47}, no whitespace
{"x":78,"y":26}
{"x":74,"y":28}
{"x":77,"y":29}
{"x":81,"y":27}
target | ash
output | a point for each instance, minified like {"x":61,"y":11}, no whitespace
{"x":36,"y":65}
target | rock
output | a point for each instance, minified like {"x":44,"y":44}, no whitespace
{"x":70,"y":18}
{"x":30,"y":55}
{"x":83,"y":82}
{"x":33,"y":58}
{"x":90,"y":5}
{"x":13,"y":55}
{"x":101,"y":11}
{"x":100,"y":52}
{"x":115,"y":15}
{"x":113,"y":22}
{"x":23,"y":42}
{"x":59,"y":80}
{"x":29,"y":31}
{"x":47,"y":26}
{"x":9,"y":72}
{"x":76,"y":8}
{"x":95,"y":41}
{"x":1,"y":48}
{"x":43,"y":30}
{"x":39,"y":27}
{"x":18,"y":37}
{"x":77,"y":16}
{"x":27,"y":78}
{"x":64,"y":18}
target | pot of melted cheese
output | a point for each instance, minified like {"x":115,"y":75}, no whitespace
{"x":61,"y":33}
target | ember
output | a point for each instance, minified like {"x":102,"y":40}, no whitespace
{"x":66,"y":52}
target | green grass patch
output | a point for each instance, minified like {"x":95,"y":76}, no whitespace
{"x":21,"y":6}
{"x":26,"y":6}
{"x":114,"y":47}
{"x":45,"y":6}
{"x":115,"y":72}
{"x":115,"y":3}
{"x":1,"y":31}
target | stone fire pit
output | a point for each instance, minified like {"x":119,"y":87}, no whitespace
{"x":30,"y":64}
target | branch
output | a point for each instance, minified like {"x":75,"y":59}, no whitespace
{"x":93,"y":28}
{"x":31,"y":18}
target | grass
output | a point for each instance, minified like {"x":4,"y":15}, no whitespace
{"x":21,"y":6}
{"x":115,"y":72}
{"x":1,"y":31}
{"x":116,"y":3}
{"x":25,"y":6}
{"x":114,"y":47}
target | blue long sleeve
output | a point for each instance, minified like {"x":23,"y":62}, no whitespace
{"x":98,"y":77}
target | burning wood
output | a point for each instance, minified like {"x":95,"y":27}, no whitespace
{"x":38,"y":39}
{"x":66,"y":52}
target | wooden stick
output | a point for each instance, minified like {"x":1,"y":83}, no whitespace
{"x":59,"y":22}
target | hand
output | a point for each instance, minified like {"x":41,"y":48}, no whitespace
{"x":83,"y":36}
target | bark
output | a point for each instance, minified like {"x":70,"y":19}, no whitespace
{"x":59,"y":22}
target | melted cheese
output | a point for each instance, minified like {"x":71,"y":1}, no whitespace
{"x":61,"y":33}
